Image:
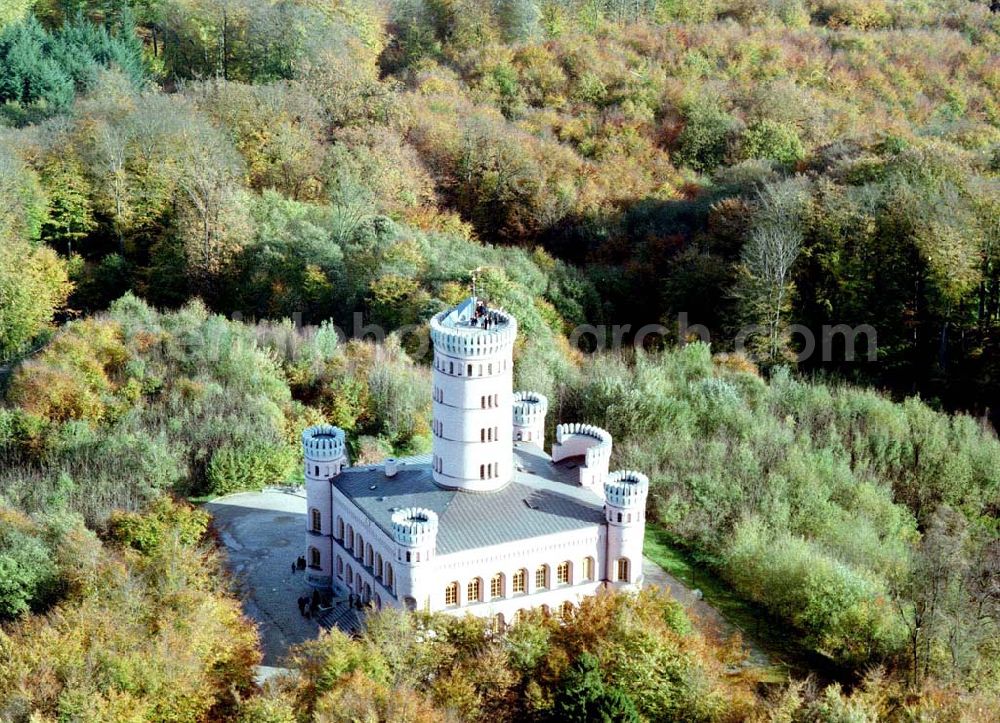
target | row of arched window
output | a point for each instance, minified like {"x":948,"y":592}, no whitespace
{"x":475,"y":592}
{"x":470,"y":369}
{"x":381,"y":572}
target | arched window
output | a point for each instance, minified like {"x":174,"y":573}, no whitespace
{"x":314,"y":559}
{"x":498,"y":625}
{"x":496,"y":586}
{"x":378,"y":601}
{"x":623,"y":569}
{"x":369,"y":555}
{"x":474,"y":590}
{"x":542,"y":577}
{"x":359,"y":549}
{"x":482,"y":471}
{"x":519,"y":582}
{"x":340,"y":528}
{"x":588,"y":568}
{"x":390,"y":580}
{"x":315,"y":520}
{"x":378,"y":565}
{"x":562,"y":573}
{"x":470,"y":371}
{"x":350,"y":577}
{"x":340,"y":566}
{"x":451,"y":594}
{"x":350,"y":538}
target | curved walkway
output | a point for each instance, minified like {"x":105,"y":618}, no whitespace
{"x":263,"y":534}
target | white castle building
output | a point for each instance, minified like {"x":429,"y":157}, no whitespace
{"x":489,"y":523}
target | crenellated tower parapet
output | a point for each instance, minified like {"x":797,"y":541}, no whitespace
{"x":323,"y":443}
{"x":626,"y":490}
{"x":529,"y":410}
{"x":593,"y":444}
{"x":414,"y":526}
{"x":460,"y":334}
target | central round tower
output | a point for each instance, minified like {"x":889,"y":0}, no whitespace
{"x":473,"y":389}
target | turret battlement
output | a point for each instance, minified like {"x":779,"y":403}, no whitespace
{"x":473,"y":330}
{"x":323,"y":443}
{"x":414,"y":526}
{"x":626,"y":489}
{"x":596,"y":440}
{"x":529,"y":408}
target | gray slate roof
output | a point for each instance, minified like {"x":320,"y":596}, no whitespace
{"x":543,"y":498}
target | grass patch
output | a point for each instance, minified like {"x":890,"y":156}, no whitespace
{"x":774,"y":637}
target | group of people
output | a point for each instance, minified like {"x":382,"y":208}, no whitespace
{"x":308,"y":605}
{"x":484,"y":317}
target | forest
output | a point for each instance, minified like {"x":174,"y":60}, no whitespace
{"x":203,"y":201}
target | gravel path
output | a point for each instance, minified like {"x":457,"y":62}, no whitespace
{"x":708,"y":619}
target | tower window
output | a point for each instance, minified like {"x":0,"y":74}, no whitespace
{"x":518,"y":583}
{"x":451,"y":594}
{"x":314,"y":559}
{"x":482,"y":471}
{"x":562,"y":573}
{"x":482,"y":435}
{"x":316,"y":520}
{"x":542,"y":577}
{"x":623,"y":569}
{"x":482,"y":402}
{"x":489,"y":369}
{"x":451,"y":367}
{"x":469,"y":371}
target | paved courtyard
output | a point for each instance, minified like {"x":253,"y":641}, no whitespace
{"x":263,"y":534}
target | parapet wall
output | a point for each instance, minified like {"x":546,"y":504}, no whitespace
{"x":530,"y":408}
{"x":473,"y":341}
{"x":626,"y":489}
{"x":590,"y":442}
{"x":323,"y":443}
{"x":414,"y":526}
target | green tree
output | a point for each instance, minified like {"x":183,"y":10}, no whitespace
{"x":583,"y":696}
{"x":27,"y":572}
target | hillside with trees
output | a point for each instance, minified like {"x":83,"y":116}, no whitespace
{"x":199,"y":201}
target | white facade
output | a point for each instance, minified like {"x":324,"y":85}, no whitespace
{"x":394,"y":555}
